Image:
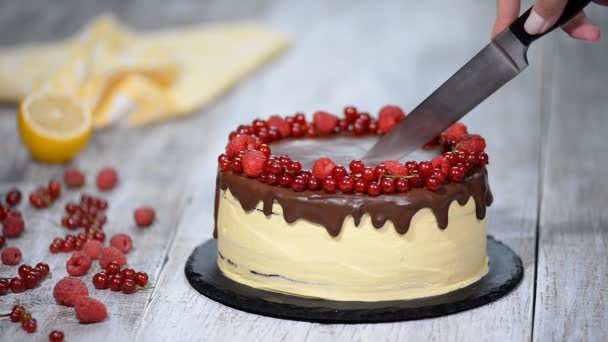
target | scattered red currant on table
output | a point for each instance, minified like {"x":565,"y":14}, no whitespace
{"x":13,"y":197}
{"x":56,"y":336}
{"x":20,"y":314}
{"x":29,"y":278}
{"x":45,"y":196}
{"x":126,"y":280}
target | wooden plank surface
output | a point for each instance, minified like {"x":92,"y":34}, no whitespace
{"x":360,"y":53}
{"x":572,"y":296}
{"x":343,"y":52}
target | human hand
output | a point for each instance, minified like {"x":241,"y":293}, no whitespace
{"x":544,"y":14}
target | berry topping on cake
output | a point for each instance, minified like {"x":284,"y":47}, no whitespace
{"x":253,"y":163}
{"x":323,"y":168}
{"x":395,"y":168}
{"x":389,"y":117}
{"x":249,"y":152}
{"x":325,"y":122}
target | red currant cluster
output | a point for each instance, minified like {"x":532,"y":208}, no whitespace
{"x":248,"y":153}
{"x":75,"y":242}
{"x":88,"y":214}
{"x":20,"y":314}
{"x":29,"y":278}
{"x":45,"y":196}
{"x":115,"y":279}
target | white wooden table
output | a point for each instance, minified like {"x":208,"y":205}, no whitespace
{"x":546,"y":132}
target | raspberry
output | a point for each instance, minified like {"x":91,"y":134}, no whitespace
{"x":144,"y":216}
{"x":11,"y":256}
{"x":89,"y":310}
{"x":454,"y":133}
{"x":79,"y":264}
{"x":280,"y":124}
{"x":68,"y":289}
{"x":395,"y":168}
{"x":107,"y":179}
{"x":73,"y":178}
{"x":122,"y":242}
{"x":325,"y":122}
{"x":13,"y":226}
{"x":110,"y":254}
{"x":323,"y":167}
{"x":389,"y":117}
{"x":442,"y":163}
{"x":253,"y":163}
{"x":472,"y":143}
{"x":241,"y":142}
{"x":92,"y":248}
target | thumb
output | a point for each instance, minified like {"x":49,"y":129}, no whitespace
{"x":544,"y":14}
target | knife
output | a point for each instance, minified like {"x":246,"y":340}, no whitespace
{"x":495,"y":65}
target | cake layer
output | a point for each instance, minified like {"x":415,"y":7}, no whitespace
{"x":360,"y":263}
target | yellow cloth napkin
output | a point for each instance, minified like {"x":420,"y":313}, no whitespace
{"x":143,"y":77}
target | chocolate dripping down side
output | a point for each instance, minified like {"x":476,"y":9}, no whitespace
{"x":330,"y":210}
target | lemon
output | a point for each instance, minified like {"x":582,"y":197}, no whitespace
{"x":54,"y":127}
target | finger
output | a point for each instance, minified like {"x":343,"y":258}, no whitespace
{"x":543,"y":15}
{"x":580,"y":27}
{"x":507,"y":12}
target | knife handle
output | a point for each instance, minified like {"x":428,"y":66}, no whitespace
{"x":573,"y":7}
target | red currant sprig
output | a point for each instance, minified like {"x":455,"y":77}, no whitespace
{"x":45,"y":196}
{"x":29,"y":278}
{"x":20,"y":314}
{"x":76,"y":242}
{"x":126,"y":280}
{"x":89,"y":213}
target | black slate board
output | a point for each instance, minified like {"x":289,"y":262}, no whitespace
{"x":506,"y":272}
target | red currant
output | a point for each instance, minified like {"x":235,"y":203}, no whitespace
{"x":401,"y":185}
{"x":339,"y":172}
{"x":313,"y":184}
{"x":113,"y":268}
{"x":329,"y":185}
{"x":433,"y":184}
{"x":54,"y":189}
{"x":115,"y":282}
{"x":141,"y":279}
{"x":56,"y":336}
{"x":387,"y":185}
{"x":43,"y":268}
{"x":285,"y":180}
{"x":356,"y":167}
{"x":13,"y":197}
{"x":425,"y":168}
{"x":294,"y":167}
{"x":128,"y":273}
{"x":368,"y":174}
{"x":100,"y":281}
{"x":346,"y":185}
{"x":350,"y":114}
{"x":17,"y":313}
{"x":299,"y":184}
{"x":360,"y":186}
{"x":17,"y":285}
{"x":24,"y":270}
{"x":29,"y":325}
{"x":128,"y":286}
{"x":373,"y":189}
{"x":380,"y":171}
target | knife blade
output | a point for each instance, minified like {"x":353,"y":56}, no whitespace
{"x":495,"y":65}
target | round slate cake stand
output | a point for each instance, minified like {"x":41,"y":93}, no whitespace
{"x":506,"y":272}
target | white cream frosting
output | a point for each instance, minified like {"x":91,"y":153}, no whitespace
{"x":361,"y":264}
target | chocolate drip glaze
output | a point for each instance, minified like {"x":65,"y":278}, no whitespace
{"x":330,"y":210}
